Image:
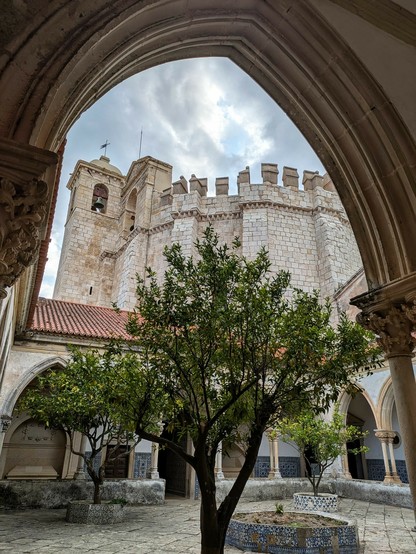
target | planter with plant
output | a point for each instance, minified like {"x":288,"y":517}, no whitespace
{"x":280,"y":532}
{"x":319,"y":443}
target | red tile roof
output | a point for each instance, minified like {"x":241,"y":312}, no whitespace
{"x":58,"y":317}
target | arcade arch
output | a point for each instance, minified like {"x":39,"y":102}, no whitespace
{"x":361,"y":414}
{"x":29,"y":450}
{"x":304,"y":53}
{"x":288,"y":50}
{"x":27,"y":377}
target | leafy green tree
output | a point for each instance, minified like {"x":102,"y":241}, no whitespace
{"x":88,"y":397}
{"x":320,"y":442}
{"x":233,"y":355}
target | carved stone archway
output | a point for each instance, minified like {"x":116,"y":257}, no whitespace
{"x":287,"y":46}
{"x":59,"y":57}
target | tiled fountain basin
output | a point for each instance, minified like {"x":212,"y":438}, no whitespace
{"x":98,"y":514}
{"x":287,"y":539}
{"x":307,"y":502}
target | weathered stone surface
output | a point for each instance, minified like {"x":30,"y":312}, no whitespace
{"x":258,"y":490}
{"x":57,"y":494}
{"x":305,"y":231}
{"x":268,"y":489}
{"x":370,"y":491}
{"x":97,"y":514}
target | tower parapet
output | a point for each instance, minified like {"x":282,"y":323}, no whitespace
{"x":304,"y":228}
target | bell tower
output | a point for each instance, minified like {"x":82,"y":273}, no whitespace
{"x":91,"y":228}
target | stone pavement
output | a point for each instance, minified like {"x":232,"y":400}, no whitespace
{"x":174,"y":529}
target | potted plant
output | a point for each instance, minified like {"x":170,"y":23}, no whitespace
{"x":319,"y":443}
{"x":84,"y":398}
{"x":284,"y":531}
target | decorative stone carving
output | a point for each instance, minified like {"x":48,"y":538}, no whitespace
{"x":384,"y":435}
{"x":24,"y":204}
{"x":22,"y":211}
{"x":393,"y":328}
{"x":410,"y":311}
{"x":5,"y":421}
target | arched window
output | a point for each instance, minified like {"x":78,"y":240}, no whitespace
{"x":99,"y":199}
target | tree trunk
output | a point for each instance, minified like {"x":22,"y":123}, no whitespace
{"x":212,"y":531}
{"x":211,"y":541}
{"x":97,"y":491}
{"x":214,"y":521}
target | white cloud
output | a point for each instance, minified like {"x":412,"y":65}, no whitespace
{"x":203,"y":116}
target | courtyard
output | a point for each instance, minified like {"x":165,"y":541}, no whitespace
{"x":174,"y":529}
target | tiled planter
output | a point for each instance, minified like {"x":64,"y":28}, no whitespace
{"x":98,"y":514}
{"x":307,"y":502}
{"x":286,"y":539}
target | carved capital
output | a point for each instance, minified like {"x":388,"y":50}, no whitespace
{"x":22,"y":211}
{"x":385,"y":435}
{"x":24,"y":206}
{"x":272,"y":434}
{"x":394,"y":328}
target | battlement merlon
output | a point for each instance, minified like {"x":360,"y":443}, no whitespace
{"x":180,"y":186}
{"x":290,"y":178}
{"x":311,"y":181}
{"x":199,"y":185}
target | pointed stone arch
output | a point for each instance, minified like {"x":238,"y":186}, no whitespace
{"x":289,"y":48}
{"x":386,"y":404}
{"x":346,"y":398}
{"x":13,"y":396}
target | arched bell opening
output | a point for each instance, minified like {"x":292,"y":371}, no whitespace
{"x":99,"y":199}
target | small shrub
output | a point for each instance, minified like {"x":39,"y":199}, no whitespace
{"x":279,"y":509}
{"x":121,"y":501}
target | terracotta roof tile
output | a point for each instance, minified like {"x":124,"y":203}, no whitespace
{"x":59,"y":317}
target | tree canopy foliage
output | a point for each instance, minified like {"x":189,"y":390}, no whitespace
{"x":87,"y":397}
{"x":320,"y":442}
{"x":235,"y":350}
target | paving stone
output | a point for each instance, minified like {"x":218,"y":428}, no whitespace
{"x":174,"y":529}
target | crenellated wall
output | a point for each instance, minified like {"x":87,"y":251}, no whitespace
{"x":303,"y":227}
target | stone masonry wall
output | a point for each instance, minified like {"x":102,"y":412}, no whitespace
{"x":305,"y":231}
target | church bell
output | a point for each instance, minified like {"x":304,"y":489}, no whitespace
{"x":98,"y":204}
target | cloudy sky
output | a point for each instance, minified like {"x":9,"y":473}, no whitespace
{"x":202,"y":116}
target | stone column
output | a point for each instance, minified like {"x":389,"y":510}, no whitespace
{"x":395,"y":475}
{"x":345,"y":467}
{"x":154,"y":460}
{"x":25,"y":200}
{"x":382,"y":437}
{"x":153,"y":472}
{"x":386,"y":438}
{"x":79,"y":474}
{"x":274,"y":472}
{"x":394,"y":325}
{"x":219,"y":475}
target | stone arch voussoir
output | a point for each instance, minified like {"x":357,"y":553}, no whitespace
{"x":287,"y":47}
